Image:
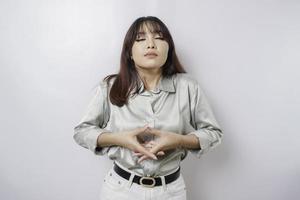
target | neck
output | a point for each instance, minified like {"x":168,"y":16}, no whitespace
{"x":150,"y":77}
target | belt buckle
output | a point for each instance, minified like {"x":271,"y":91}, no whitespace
{"x":147,"y":178}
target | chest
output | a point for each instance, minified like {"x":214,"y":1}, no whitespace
{"x":166,"y":111}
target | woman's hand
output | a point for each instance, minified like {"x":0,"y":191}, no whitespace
{"x":130,"y":140}
{"x":149,"y":145}
{"x":165,"y":141}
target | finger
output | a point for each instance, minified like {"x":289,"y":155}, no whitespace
{"x":148,"y":145}
{"x":146,"y":142}
{"x":140,"y":129}
{"x":142,"y":158}
{"x":156,"y":149}
{"x":138,"y":154}
{"x":142,"y":150}
{"x":152,"y":142}
{"x":136,"y":151}
{"x":154,"y":131}
{"x":160,"y":153}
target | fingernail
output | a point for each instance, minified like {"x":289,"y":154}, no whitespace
{"x":155,"y":157}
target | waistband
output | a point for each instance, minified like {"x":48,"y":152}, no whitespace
{"x":146,"y":181}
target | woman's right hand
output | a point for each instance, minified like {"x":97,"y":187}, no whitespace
{"x":129,"y":139}
{"x":148,"y":145}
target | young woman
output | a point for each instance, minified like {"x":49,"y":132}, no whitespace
{"x":147,"y":117}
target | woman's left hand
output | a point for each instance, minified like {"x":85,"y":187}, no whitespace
{"x":165,"y":141}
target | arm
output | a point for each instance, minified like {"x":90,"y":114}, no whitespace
{"x":207,"y":130}
{"x":93,"y":123}
{"x":189,"y":142}
{"x":107,"y":139}
{"x":206,"y":135}
{"x":90,"y":133}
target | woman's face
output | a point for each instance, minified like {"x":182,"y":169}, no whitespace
{"x":149,"y":50}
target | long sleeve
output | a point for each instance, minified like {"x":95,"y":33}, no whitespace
{"x":206,"y":127}
{"x":94,"y":121}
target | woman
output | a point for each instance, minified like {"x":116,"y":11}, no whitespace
{"x":147,"y":117}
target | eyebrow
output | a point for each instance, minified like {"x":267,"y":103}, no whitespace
{"x":142,"y":33}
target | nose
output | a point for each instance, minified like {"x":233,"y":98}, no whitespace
{"x":151,"y":44}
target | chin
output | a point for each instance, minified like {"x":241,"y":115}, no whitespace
{"x":150,"y":67}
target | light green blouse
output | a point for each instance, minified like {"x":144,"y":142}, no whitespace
{"x":178,"y":104}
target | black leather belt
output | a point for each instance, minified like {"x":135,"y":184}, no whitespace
{"x":147,"y":181}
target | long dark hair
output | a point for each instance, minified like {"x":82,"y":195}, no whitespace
{"x":126,"y":81}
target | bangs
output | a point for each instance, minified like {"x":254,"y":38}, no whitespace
{"x":153,"y":27}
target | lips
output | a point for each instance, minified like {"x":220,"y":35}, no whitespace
{"x":151,"y":54}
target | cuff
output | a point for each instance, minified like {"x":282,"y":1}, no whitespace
{"x":91,"y":140}
{"x":207,"y":141}
{"x":88,"y":139}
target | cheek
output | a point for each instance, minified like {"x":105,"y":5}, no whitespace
{"x":136,"y":51}
{"x":165,"y":49}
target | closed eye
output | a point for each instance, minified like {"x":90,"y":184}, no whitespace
{"x":160,"y":38}
{"x":140,"y":39}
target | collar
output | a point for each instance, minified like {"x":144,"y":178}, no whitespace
{"x":164,"y":83}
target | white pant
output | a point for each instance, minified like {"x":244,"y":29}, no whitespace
{"x":115,"y":187}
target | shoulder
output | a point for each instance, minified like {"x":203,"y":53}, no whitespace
{"x":190,"y":86}
{"x":184,"y":79}
{"x":103,"y":86}
{"x":106,"y":82}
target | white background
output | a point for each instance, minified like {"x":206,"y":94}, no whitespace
{"x":244,"y":53}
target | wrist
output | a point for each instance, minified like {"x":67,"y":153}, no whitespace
{"x":189,"y":142}
{"x":181,"y":141}
{"x":117,"y":138}
{"x":107,"y":139}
